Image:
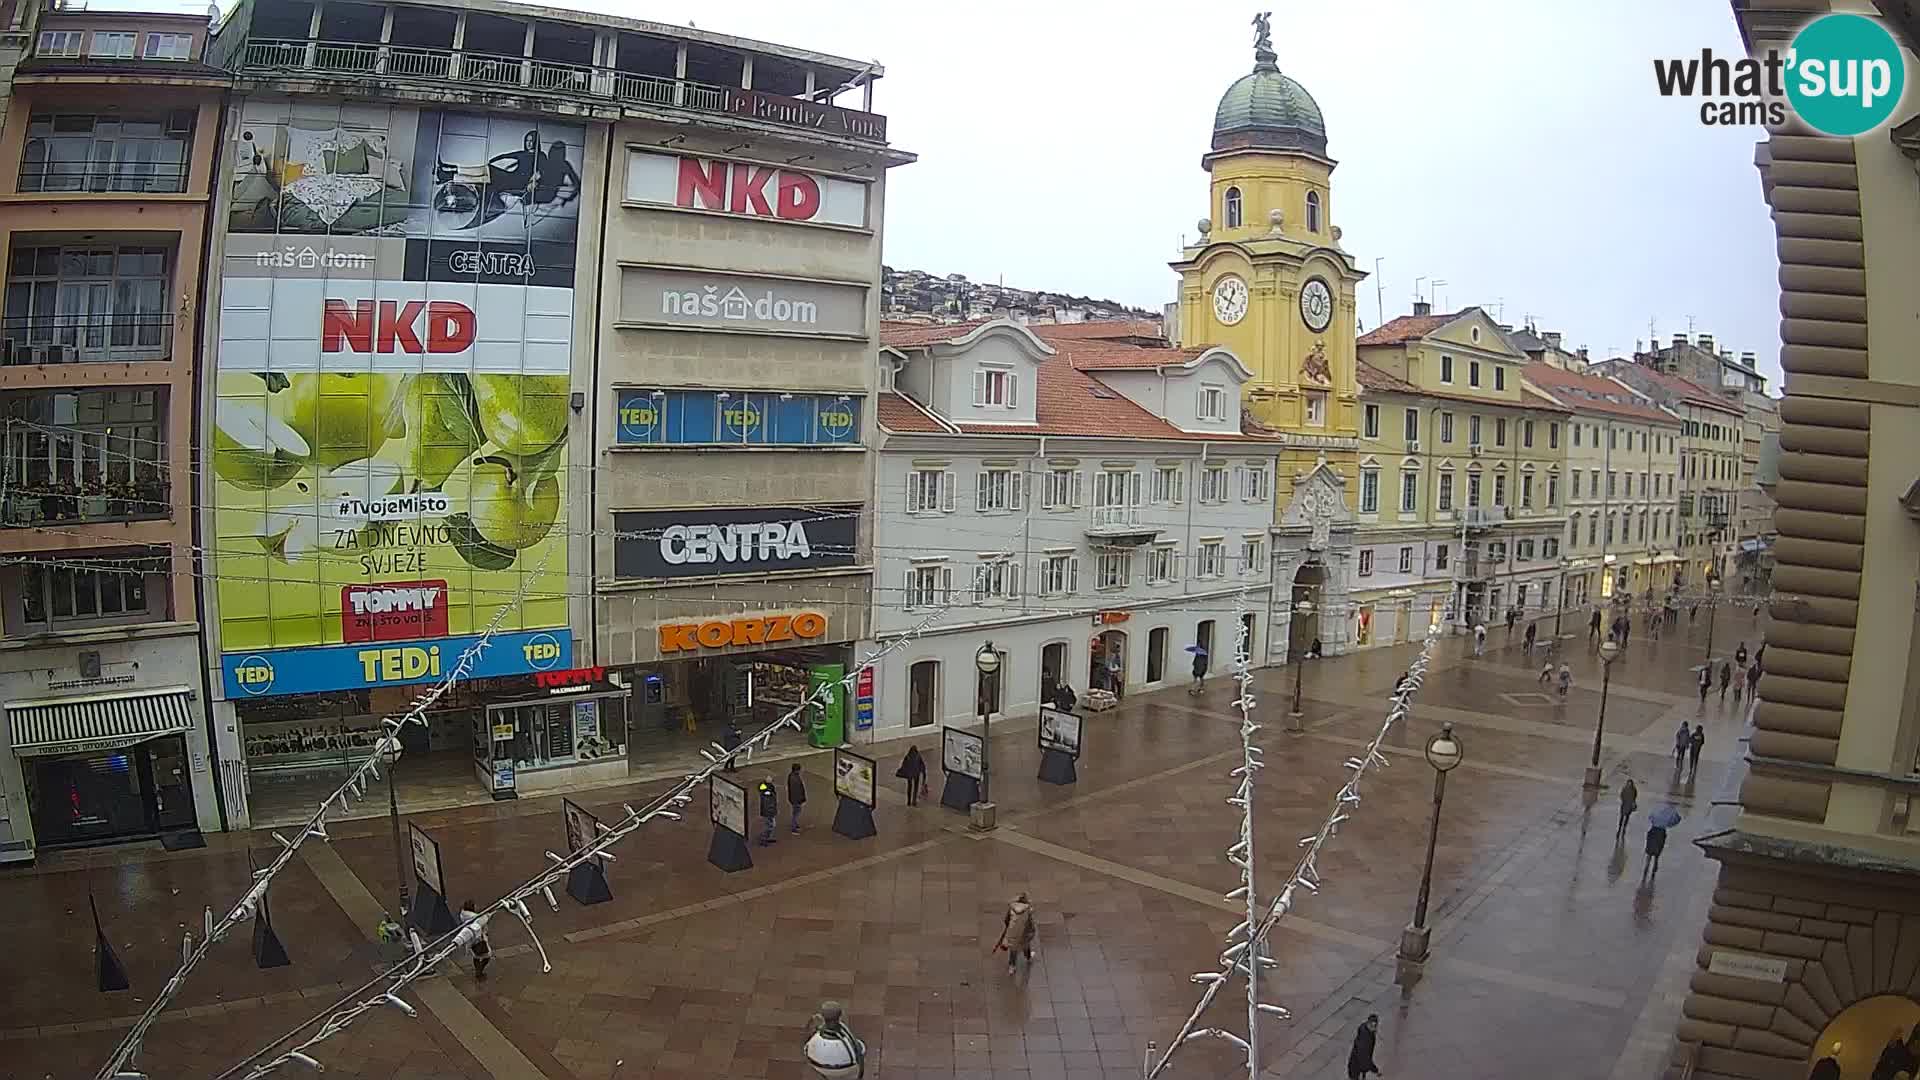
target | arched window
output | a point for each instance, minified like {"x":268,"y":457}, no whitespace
{"x":1313,"y":211}
{"x":1233,"y":214}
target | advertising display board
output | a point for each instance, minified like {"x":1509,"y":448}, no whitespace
{"x":735,"y":418}
{"x":393,"y":390}
{"x":1059,"y":731}
{"x":853,"y":776}
{"x":960,"y":752}
{"x":727,"y":805}
{"x":746,"y":540}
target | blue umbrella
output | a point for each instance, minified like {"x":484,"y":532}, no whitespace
{"x":1196,"y":650}
{"x":1666,"y":817}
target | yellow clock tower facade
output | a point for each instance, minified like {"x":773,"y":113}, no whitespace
{"x":1268,"y":280}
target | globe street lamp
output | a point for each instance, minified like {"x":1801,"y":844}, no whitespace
{"x":1444,"y":753}
{"x":1304,"y":609}
{"x":1608,"y":654}
{"x":987,"y":662}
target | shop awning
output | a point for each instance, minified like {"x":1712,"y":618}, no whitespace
{"x":1667,"y":559}
{"x":70,"y":725}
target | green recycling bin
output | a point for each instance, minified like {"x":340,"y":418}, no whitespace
{"x":827,"y":722}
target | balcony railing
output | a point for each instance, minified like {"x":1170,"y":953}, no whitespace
{"x":406,"y":62}
{"x":82,"y":339}
{"x":118,"y":502}
{"x":1116,"y":517}
{"x":153,"y":178}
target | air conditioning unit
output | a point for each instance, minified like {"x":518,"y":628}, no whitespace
{"x":1473,"y":449}
{"x":1413,"y":446}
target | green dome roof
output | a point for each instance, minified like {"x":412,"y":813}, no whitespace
{"x":1265,"y":109}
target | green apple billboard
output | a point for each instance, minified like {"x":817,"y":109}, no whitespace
{"x":392,"y":394}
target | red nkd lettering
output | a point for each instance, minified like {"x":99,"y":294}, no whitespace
{"x":703,"y":185}
{"x":749,"y":195}
{"x":391,"y":325}
{"x":799,"y":197}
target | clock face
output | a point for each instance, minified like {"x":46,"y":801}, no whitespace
{"x":1229,"y":300}
{"x":1316,"y":304}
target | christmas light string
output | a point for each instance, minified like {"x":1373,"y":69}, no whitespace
{"x":383,"y":991}
{"x":1247,"y":942}
{"x":119,"y":1063}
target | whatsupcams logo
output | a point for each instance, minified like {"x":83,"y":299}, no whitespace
{"x":1843,"y":75}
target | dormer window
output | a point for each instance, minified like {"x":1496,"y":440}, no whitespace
{"x":996,"y":388}
{"x":1313,"y":211}
{"x":1213,"y":403}
{"x":1234,"y":212}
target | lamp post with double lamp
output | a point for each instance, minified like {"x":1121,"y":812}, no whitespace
{"x":392,"y":757}
{"x":1304,"y":609}
{"x":1444,"y":753}
{"x":1608,"y":654}
{"x":987,"y":662}
{"x":1713,"y":594}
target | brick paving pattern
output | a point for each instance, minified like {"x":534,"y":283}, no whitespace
{"x":1550,"y":956}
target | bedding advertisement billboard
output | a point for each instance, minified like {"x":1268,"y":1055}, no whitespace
{"x":393,"y":386}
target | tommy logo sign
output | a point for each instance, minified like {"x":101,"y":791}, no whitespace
{"x":750,"y":189}
{"x":415,"y":326}
{"x":393,"y":611}
{"x":724,"y":633}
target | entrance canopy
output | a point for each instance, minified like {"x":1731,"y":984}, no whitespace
{"x":70,"y":725}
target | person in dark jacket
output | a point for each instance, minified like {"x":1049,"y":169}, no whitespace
{"x":769,"y":809}
{"x":1593,"y":626}
{"x":1064,"y":698}
{"x":1706,"y":685}
{"x":1726,"y":678}
{"x":796,"y":793}
{"x":1199,"y":672}
{"x":1740,"y":655}
{"x":1533,"y":633}
{"x":1629,"y":801}
{"x":1656,"y":843}
{"x":1695,"y":743}
{"x":1895,"y":1059}
{"x":1360,"y":1058}
{"x":730,"y":739}
{"x":913,"y":769}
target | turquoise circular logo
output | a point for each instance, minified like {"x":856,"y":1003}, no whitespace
{"x":1845,"y":74}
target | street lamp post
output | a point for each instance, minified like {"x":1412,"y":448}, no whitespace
{"x":1444,"y":753}
{"x":987,"y":662}
{"x":1304,"y":609}
{"x":392,"y":757}
{"x":1609,"y":652}
{"x":1713,"y":583}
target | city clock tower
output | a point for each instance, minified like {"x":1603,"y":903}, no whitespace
{"x":1268,"y":279}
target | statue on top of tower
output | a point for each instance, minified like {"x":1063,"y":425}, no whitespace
{"x":1263,"y":32}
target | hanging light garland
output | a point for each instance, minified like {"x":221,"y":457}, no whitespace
{"x":1245,"y":954}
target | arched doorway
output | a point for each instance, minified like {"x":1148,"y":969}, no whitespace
{"x":1107,"y":669}
{"x":1860,"y":1033}
{"x":1308,"y":588}
{"x":1053,"y":669}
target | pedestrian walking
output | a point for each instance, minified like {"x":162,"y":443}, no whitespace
{"x":1683,"y":737}
{"x":1753,"y":680}
{"x":1760,"y":654}
{"x":1546,"y":673}
{"x":1064,"y":698}
{"x":1533,"y":632}
{"x":1629,"y":802}
{"x":1479,"y":639}
{"x":1739,"y":685}
{"x":1360,"y":1058}
{"x":730,"y":740}
{"x":1695,"y":743}
{"x":473,"y":930}
{"x":1691,"y":612}
{"x":1017,"y":931}
{"x":1199,"y":671}
{"x":1626,"y":630}
{"x":1740,"y":655}
{"x":913,"y":769}
{"x":769,"y":809}
{"x":1566,"y":680}
{"x":1593,"y":626}
{"x":1706,"y":684}
{"x":1656,"y":843}
{"x":1726,"y":678}
{"x":1116,"y":673}
{"x":796,"y":793}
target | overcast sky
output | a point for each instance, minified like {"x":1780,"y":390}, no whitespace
{"x":1516,"y":149}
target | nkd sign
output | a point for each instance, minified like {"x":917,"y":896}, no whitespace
{"x":655,"y":296}
{"x":746,"y":188}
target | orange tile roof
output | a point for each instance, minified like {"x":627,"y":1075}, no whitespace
{"x":1406,"y":328}
{"x":1111,"y":355}
{"x":900,"y":413}
{"x":1372,"y":378}
{"x":1684,"y":389}
{"x":1590,"y":393}
{"x":907,"y":335}
{"x":1104,"y":329}
{"x":1380,"y":382}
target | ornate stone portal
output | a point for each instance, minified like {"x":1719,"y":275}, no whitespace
{"x":1313,"y":561}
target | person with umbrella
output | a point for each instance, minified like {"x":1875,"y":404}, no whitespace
{"x":1199,"y":668}
{"x":1658,"y":822}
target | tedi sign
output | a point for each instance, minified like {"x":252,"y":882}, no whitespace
{"x":746,"y":188}
{"x":1843,"y":75}
{"x":702,"y":543}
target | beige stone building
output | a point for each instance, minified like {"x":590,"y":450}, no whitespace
{"x":1812,"y":946}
